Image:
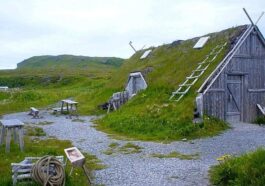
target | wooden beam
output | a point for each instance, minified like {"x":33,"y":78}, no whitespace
{"x":248,"y":16}
{"x":242,"y":56}
{"x":237,"y":73}
{"x":256,"y":90}
{"x":216,"y":90}
{"x":262,"y":13}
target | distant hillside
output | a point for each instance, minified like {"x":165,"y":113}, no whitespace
{"x":69,"y":61}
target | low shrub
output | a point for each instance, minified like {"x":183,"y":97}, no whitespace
{"x":247,"y":169}
{"x":260,"y":120}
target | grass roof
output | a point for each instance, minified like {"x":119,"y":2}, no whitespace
{"x":150,"y":115}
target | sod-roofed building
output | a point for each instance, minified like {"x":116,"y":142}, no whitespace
{"x":233,"y":90}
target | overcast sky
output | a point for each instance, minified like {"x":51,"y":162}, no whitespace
{"x":105,"y":27}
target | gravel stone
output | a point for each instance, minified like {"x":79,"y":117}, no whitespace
{"x":142,"y":169}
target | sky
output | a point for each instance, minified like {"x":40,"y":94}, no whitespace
{"x":105,"y":27}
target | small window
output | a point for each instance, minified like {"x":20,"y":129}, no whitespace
{"x":201,"y":42}
{"x":146,"y":53}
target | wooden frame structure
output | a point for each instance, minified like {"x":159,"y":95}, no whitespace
{"x":22,"y":170}
{"x":71,"y":107}
{"x":237,"y":85}
{"x":7,"y":126}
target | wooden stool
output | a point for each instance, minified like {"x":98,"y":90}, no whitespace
{"x":34,"y":112}
{"x":7,"y":127}
{"x":71,"y":107}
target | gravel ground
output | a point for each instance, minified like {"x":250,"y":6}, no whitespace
{"x":141,"y":168}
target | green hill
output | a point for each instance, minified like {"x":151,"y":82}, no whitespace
{"x":69,"y":61}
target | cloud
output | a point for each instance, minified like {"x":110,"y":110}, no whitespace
{"x":104,"y":27}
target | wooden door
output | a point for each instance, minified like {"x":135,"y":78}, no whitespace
{"x":234,"y":98}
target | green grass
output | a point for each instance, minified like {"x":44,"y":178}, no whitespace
{"x":35,"y":131}
{"x":45,"y":123}
{"x":39,"y":93}
{"x":176,"y":154}
{"x":128,"y":148}
{"x":35,"y":147}
{"x":247,"y":169}
{"x":78,"y":120}
{"x":162,"y":130}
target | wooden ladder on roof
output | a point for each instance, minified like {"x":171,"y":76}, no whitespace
{"x":194,"y":76}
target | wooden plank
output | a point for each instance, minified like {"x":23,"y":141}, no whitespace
{"x":24,"y":170}
{"x":15,"y":135}
{"x":11,"y":123}
{"x":235,"y":73}
{"x":2,"y":135}
{"x":23,"y":176}
{"x":246,"y":56}
{"x":8,"y":139}
{"x":21,"y":140}
{"x":216,"y":90}
{"x":256,"y":90}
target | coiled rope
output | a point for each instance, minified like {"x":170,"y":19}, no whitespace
{"x":48,"y":171}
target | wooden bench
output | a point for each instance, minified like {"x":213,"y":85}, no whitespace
{"x":34,"y":112}
{"x":22,"y":170}
{"x":7,"y":126}
{"x":58,"y":109}
{"x":71,"y":107}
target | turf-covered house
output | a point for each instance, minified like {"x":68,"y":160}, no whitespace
{"x":233,"y":90}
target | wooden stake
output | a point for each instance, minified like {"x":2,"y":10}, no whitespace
{"x":248,"y":16}
{"x":130,"y":43}
{"x":259,"y":18}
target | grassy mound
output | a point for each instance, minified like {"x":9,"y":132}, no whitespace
{"x":150,"y":115}
{"x":244,"y":170}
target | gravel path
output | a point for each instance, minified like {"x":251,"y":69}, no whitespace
{"x":141,"y":168}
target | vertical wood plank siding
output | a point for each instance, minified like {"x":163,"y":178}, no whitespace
{"x":249,"y":63}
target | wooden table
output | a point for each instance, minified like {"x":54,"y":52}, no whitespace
{"x":71,"y":107}
{"x":6,"y":128}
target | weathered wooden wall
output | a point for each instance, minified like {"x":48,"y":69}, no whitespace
{"x":248,"y":67}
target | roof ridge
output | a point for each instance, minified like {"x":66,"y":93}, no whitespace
{"x":215,"y":74}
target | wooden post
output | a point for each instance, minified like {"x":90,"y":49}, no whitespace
{"x":62,"y":107}
{"x":2,"y":135}
{"x":86,"y":173}
{"x":15,"y":134}
{"x":76,"y":110}
{"x":109,"y":105}
{"x":8,"y":139}
{"x":21,"y":140}
{"x":114,"y":106}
